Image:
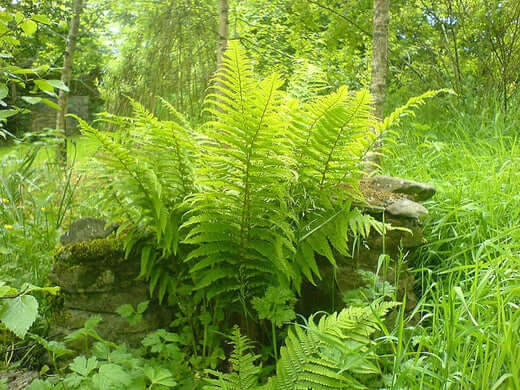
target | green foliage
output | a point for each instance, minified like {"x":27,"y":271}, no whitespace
{"x":467,"y":274}
{"x":133,"y":315}
{"x":19,"y":309}
{"x":13,"y":26}
{"x":336,"y":352}
{"x":255,"y":195}
{"x":152,"y":161}
{"x":34,"y":201}
{"x":158,"y":364}
{"x":245,"y":372}
{"x":277,"y":305}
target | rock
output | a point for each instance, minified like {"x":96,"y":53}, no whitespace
{"x":406,"y":208}
{"x":416,"y":190}
{"x":95,"y":279}
{"x":18,"y":380}
{"x":86,"y":229}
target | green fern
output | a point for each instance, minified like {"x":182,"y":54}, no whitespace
{"x":256,"y":196}
{"x":146,"y":172}
{"x":244,"y":375}
{"x":241,"y":219}
{"x":335,"y":351}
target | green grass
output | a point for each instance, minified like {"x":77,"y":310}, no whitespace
{"x":83,"y":149}
{"x":468,"y":336}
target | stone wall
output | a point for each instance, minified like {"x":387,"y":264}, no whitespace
{"x":96,"y":279}
{"x":392,"y":200}
{"x":44,"y":117}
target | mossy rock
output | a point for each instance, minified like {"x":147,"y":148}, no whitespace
{"x":95,"y":279}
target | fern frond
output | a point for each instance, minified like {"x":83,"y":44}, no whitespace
{"x":244,"y":178}
{"x":335,"y":352}
{"x":413,"y":103}
{"x":146,"y":170}
{"x":245,"y":373}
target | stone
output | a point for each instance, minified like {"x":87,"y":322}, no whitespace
{"x":416,"y":190}
{"x":95,"y":279}
{"x":86,"y":229}
{"x":406,"y":208}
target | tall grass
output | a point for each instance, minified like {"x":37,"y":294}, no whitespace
{"x":468,"y":333}
{"x":37,"y":200}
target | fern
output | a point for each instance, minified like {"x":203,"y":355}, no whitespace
{"x":146,"y":171}
{"x":333,"y":352}
{"x":256,"y":196}
{"x":244,"y":176}
{"x":244,"y":375}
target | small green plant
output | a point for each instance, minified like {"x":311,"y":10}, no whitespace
{"x":334,"y":352}
{"x":159,"y":364}
{"x":277,"y":306}
{"x":133,"y":316}
{"x":18,"y":308}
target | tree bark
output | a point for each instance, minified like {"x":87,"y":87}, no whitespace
{"x":380,"y":20}
{"x":223,"y":29}
{"x":66,"y":74}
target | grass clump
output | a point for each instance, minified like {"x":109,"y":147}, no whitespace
{"x":468,"y":334}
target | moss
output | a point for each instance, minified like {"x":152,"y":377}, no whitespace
{"x":105,"y":250}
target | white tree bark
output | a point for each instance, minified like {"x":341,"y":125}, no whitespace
{"x":66,"y":74}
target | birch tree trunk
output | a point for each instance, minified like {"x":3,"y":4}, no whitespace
{"x":223,"y":29}
{"x":66,"y":74}
{"x":378,"y":81}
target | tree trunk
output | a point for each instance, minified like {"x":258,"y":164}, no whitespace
{"x":380,"y":21}
{"x":223,"y":29}
{"x":66,"y":73}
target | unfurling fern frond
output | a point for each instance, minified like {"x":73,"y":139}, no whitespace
{"x":244,"y":375}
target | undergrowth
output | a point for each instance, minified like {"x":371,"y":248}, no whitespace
{"x":467,"y":336}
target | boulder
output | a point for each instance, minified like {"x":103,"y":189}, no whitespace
{"x":415,"y":190}
{"x":95,"y":279}
{"x":395,"y":201}
{"x":406,"y":208}
{"x":86,"y":229}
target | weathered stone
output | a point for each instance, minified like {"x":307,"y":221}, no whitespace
{"x":406,"y":208}
{"x":96,"y":279}
{"x":416,"y":190}
{"x":86,"y":229}
{"x":18,"y":380}
{"x":388,"y":199}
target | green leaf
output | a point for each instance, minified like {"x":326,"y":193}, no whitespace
{"x":125,"y":310}
{"x":7,"y":113}
{"x":41,"y":19}
{"x":18,"y":314}
{"x":51,"y":104}
{"x":141,"y":307}
{"x":83,"y":366}
{"x":29,"y":26}
{"x":58,"y":84}
{"x":44,"y":85}
{"x":32,"y":99}
{"x":3,"y":91}
{"x":159,"y":376}
{"x":111,"y":375}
